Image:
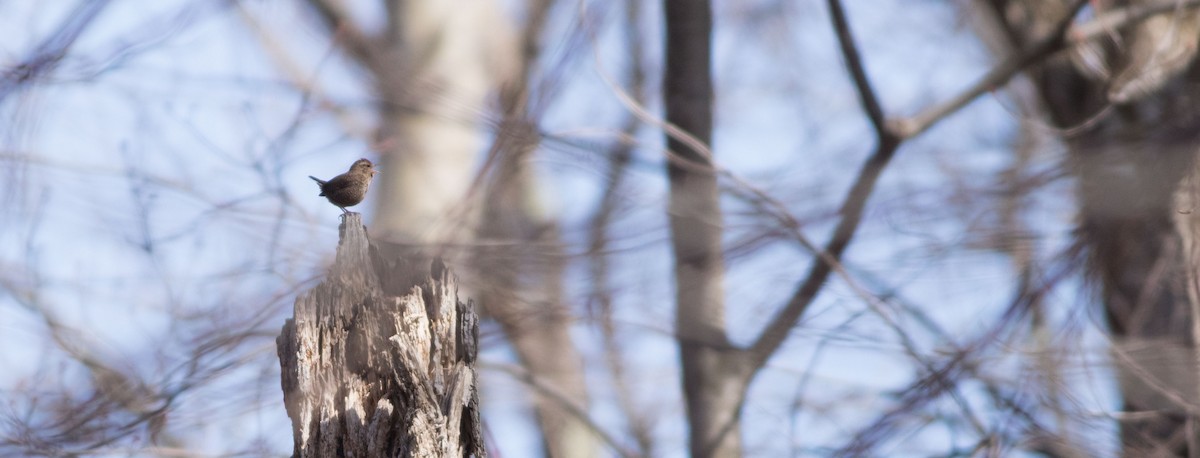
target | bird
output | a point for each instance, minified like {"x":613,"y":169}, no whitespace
{"x":348,"y":189}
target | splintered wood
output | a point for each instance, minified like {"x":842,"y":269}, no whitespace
{"x":379,"y":358}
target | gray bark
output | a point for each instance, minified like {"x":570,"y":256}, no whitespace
{"x":379,"y":359}
{"x":714,"y":376}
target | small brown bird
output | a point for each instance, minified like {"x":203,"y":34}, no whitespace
{"x":348,"y":189}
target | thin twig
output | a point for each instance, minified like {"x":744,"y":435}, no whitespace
{"x":563,"y":400}
{"x":601,"y":299}
{"x":50,"y":52}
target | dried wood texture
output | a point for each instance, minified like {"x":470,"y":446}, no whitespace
{"x":379,"y":359}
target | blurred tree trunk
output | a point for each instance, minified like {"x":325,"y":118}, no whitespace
{"x":437,"y":63}
{"x":519,"y":278}
{"x":520,"y":284}
{"x":521,"y":263}
{"x":434,"y":66}
{"x":1133,"y":129}
{"x":379,"y":359}
{"x":713,"y":382}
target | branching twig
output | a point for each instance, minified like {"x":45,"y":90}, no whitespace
{"x":49,"y":52}
{"x":854,"y":204}
{"x":854,"y":63}
{"x":1047,"y":46}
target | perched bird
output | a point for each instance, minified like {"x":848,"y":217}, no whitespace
{"x":348,"y":189}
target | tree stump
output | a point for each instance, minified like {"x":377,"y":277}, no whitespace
{"x":379,"y":358}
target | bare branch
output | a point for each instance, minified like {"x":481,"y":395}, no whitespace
{"x":855,"y":202}
{"x":866,"y":94}
{"x":998,"y":76}
{"x":357,"y":43}
{"x":49,"y":52}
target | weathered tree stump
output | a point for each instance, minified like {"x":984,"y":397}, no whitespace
{"x":379,"y":358}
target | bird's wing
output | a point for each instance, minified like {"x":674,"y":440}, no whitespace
{"x":338,"y":183}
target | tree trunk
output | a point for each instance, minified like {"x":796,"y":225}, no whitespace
{"x":1132,"y":148}
{"x":379,"y":359}
{"x":440,"y":61}
{"x":714,"y":380}
{"x":521,"y":288}
{"x":519,"y":261}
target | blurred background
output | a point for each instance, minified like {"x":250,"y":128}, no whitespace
{"x":885,"y":228}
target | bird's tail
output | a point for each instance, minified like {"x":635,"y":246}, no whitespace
{"x":320,"y":184}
